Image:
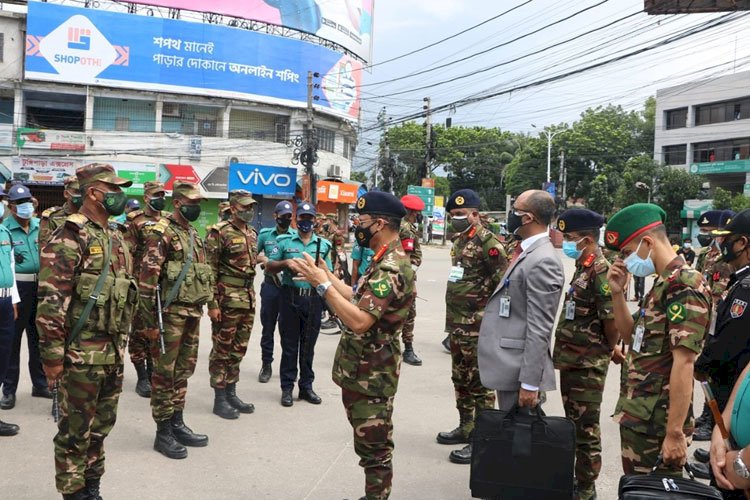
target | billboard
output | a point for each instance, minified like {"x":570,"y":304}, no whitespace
{"x":33,"y":170}
{"x":263,"y":179}
{"x":92,"y":47}
{"x":55,"y":140}
{"x":345,"y":22}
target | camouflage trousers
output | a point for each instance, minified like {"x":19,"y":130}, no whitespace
{"x":471,"y":395}
{"x":407,"y":334}
{"x":640,"y":452}
{"x":139,"y":347}
{"x":371,"y":421}
{"x":173,"y":368}
{"x":582,"y":398}
{"x":230,"y":337}
{"x":88,"y":409}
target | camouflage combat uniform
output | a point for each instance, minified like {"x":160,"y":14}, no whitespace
{"x":483,"y":261}
{"x":139,"y":226}
{"x":71,"y":263}
{"x":582,"y":355}
{"x":232,"y":253}
{"x":409,"y":237}
{"x":52,"y":218}
{"x":367,"y":365}
{"x":717,"y":274}
{"x":675,"y":313}
{"x":166,"y":251}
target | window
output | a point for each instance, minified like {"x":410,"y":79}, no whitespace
{"x":190,"y":119}
{"x":675,"y":155}
{"x":737,"y":109}
{"x":676,"y":118}
{"x":2,"y":46}
{"x":124,"y":115}
{"x":733,"y":149}
{"x":55,"y":111}
{"x":6,"y":110}
{"x":348,"y":148}
{"x":245,"y":124}
{"x":326,"y":139}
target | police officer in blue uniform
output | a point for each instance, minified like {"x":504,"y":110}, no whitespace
{"x":24,"y":231}
{"x":301,"y":307}
{"x":8,"y":303}
{"x":270,"y":289}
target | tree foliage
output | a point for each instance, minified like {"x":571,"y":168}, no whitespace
{"x":725,"y":200}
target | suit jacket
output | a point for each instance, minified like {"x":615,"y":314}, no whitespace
{"x":516,"y":349}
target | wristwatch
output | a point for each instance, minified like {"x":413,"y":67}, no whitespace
{"x":323,"y":288}
{"x":740,"y":468}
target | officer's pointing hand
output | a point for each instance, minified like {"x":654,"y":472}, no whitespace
{"x":306,"y":270}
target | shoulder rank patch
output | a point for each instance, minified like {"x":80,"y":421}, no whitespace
{"x":408,"y":244}
{"x":77,"y":219}
{"x":237,"y":240}
{"x":738,"y":308}
{"x":493,"y":252}
{"x":676,"y":313}
{"x":96,"y":250}
{"x":589,"y":260}
{"x":381,"y":288}
{"x":48,"y":212}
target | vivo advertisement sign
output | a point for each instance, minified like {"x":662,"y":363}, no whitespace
{"x":93,"y":47}
{"x":262,"y":179}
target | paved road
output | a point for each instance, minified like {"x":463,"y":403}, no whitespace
{"x":303,"y":452}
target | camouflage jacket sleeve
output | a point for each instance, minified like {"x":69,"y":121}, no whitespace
{"x":131,"y":235}
{"x":604,"y":306}
{"x":213,"y":255}
{"x":410,"y":243}
{"x":384,"y":285}
{"x":496,"y":259}
{"x":60,"y":258}
{"x":44,"y":227}
{"x":150,"y":272}
{"x":688,"y":305}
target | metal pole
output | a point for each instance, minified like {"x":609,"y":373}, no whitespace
{"x":428,"y":136}
{"x":309,"y":163}
{"x":549,"y":154}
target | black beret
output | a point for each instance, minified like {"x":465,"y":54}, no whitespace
{"x":577,"y":219}
{"x":726,"y":217}
{"x":380,"y":203}
{"x":740,"y":224}
{"x":712,"y":218}
{"x":463,"y":198}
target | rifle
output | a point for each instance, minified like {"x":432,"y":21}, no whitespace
{"x":160,"y":320}
{"x":55,"y":401}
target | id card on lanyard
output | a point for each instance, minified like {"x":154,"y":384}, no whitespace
{"x":570,"y":305}
{"x":640,"y":330}
{"x":505,"y":300}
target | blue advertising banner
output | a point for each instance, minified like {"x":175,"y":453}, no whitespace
{"x":94,"y":47}
{"x":263,"y":179}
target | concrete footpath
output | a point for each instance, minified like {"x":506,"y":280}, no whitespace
{"x":302,"y":452}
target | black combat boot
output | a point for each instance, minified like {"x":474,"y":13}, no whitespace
{"x":460,"y":434}
{"x":236,"y":402}
{"x":184,"y":434}
{"x":222,"y":407}
{"x":92,"y":485}
{"x":265,"y":373}
{"x":143,"y":386}
{"x":165,"y":442}
{"x":410,"y":357}
{"x":704,"y":417}
{"x":462,"y":456}
{"x":82,"y":494}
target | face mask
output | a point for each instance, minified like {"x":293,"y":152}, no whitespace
{"x":25,"y":210}
{"x":727,"y":251}
{"x":460,"y":223}
{"x":704,"y":239}
{"x":76,"y":201}
{"x":2,"y":209}
{"x":190,"y":212}
{"x":305,"y":226}
{"x":514,"y":222}
{"x":284,"y":223}
{"x":246,"y":216}
{"x":364,"y":235}
{"x":687,"y":246}
{"x":570,"y":249}
{"x":638,"y":266}
{"x":157,"y":204}
{"x":326,"y":227}
{"x":113,"y":203}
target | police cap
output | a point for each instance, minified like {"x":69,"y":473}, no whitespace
{"x":18,"y":192}
{"x":305,"y":208}
{"x":283,"y":208}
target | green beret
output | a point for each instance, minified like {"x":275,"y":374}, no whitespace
{"x":631,"y":222}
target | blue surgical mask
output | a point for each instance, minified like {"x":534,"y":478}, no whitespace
{"x":305,"y":226}
{"x":570,"y":249}
{"x":638,"y":266}
{"x":2,"y":209}
{"x":25,"y":210}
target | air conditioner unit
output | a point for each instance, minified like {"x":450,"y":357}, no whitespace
{"x":170,"y":109}
{"x":334,"y":171}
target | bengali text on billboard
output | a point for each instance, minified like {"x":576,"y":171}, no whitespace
{"x":92,"y":47}
{"x":345,"y":22}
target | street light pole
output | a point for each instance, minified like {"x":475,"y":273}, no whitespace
{"x":550,"y":136}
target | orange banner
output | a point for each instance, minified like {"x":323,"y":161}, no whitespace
{"x":337,"y":192}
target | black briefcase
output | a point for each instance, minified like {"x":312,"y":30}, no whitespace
{"x":652,"y":486}
{"x":522,"y":454}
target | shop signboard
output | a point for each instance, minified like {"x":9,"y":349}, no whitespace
{"x":53,"y":140}
{"x":263,"y":179}
{"x":33,"y":170}
{"x":720,"y":167}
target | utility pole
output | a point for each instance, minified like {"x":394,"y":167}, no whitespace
{"x":563,"y":177}
{"x":428,"y":136}
{"x":384,"y":155}
{"x":310,"y":157}
{"x":549,"y":135}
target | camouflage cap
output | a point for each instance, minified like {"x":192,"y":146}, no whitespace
{"x":187,"y":190}
{"x":71,"y":184}
{"x":99,"y":172}
{"x":241,"y":197}
{"x":630,"y":222}
{"x":223,"y":206}
{"x":153,"y":187}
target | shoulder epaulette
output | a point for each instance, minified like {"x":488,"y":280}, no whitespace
{"x":221,"y":224}
{"x":135,"y":213}
{"x":78,"y":220}
{"x":601,"y":265}
{"x":161,"y":226}
{"x":47,"y":213}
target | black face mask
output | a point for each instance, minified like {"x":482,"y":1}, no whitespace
{"x":705,"y":239}
{"x":76,"y":201}
{"x":284,"y":223}
{"x":364,"y":235}
{"x":190,"y":212}
{"x":727,"y":251}
{"x":514,"y":222}
{"x":157,"y":204}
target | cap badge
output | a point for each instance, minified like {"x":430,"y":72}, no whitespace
{"x":460,"y":200}
{"x":361,"y":203}
{"x":561,"y":225}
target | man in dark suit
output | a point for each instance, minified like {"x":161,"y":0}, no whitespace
{"x":516,"y":332}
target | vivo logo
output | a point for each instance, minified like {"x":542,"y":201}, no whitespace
{"x":257,"y":177}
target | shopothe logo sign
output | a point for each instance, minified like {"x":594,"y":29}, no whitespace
{"x":263,"y":179}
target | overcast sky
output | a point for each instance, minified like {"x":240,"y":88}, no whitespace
{"x":405,"y":25}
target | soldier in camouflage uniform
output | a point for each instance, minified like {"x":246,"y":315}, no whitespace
{"x":54,"y":217}
{"x":176,"y":268}
{"x":584,"y":340}
{"x":140,"y":224}
{"x":231,"y":248}
{"x":330,"y":231}
{"x":717,"y":274}
{"x":82,"y":339}
{"x":409,"y":234}
{"x":665,"y":336}
{"x":368,"y":358}
{"x":478,"y":262}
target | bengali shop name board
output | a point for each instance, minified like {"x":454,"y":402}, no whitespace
{"x":93,"y":47}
